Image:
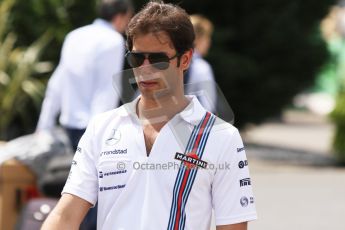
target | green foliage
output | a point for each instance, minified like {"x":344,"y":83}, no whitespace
{"x":338,"y":117}
{"x":40,"y":26}
{"x":31,"y":18}
{"x":20,"y":91}
{"x":264,"y":52}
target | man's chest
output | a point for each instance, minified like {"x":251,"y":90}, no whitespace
{"x":126,"y":149}
{"x":130,"y":180}
{"x":150,"y":135}
{"x":139,"y":149}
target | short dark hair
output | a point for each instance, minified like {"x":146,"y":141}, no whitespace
{"x":108,"y":9}
{"x":161,"y":17}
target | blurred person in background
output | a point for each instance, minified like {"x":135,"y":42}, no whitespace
{"x":81,"y":85}
{"x":321,"y":98}
{"x":199,"y":79}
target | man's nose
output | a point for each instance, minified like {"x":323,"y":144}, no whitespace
{"x":146,"y":61}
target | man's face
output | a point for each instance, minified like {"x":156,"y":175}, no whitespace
{"x":153,"y":82}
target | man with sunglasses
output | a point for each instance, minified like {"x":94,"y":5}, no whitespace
{"x":161,"y":161}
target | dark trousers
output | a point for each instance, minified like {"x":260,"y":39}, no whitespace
{"x":90,"y":220}
{"x":74,"y":136}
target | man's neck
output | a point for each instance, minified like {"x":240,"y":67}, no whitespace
{"x":158,"y":111}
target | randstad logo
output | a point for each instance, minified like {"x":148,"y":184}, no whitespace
{"x":114,"y":152}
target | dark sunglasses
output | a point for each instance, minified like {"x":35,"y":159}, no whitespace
{"x":159,"y":60}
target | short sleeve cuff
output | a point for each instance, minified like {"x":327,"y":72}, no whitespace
{"x":236,"y":219}
{"x":80,"y":193}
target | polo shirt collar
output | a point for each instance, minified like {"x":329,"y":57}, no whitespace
{"x":192,"y":114}
{"x":194,"y":111}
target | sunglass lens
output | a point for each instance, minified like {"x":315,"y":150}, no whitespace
{"x":135,"y":59}
{"x":159,"y":60}
{"x":161,"y":65}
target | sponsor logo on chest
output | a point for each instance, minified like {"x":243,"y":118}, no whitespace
{"x":113,"y":137}
{"x":113,"y":152}
{"x":190,"y":160}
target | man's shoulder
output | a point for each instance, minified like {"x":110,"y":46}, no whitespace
{"x":96,"y":34}
{"x":78,"y":31}
{"x":223,"y":129}
{"x":116,"y":119}
{"x":109,"y":115}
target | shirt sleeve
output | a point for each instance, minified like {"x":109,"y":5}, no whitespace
{"x":82,"y":180}
{"x":52,"y":101}
{"x":107,"y":88}
{"x":232,"y":195}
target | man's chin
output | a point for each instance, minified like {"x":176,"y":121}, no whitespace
{"x":155,"y":94}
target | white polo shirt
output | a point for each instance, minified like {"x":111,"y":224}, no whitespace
{"x":159,"y":192}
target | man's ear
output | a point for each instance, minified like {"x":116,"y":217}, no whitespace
{"x":186,"y":59}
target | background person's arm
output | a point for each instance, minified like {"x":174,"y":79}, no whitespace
{"x":240,"y":226}
{"x":51,"y":105}
{"x":67,"y":214}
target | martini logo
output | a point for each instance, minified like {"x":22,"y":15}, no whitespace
{"x":191,"y":160}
